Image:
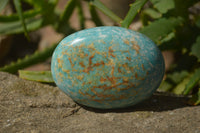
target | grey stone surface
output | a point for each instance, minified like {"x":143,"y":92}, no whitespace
{"x":27,"y":106}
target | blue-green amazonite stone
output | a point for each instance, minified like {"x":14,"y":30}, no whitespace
{"x":107,"y":67}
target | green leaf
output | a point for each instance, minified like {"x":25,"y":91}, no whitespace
{"x":163,"y":5}
{"x":195,"y":50}
{"x":53,"y":2}
{"x":192,"y":82}
{"x":49,"y":15}
{"x":177,"y":77}
{"x":94,"y":15}
{"x":16,"y":27}
{"x":106,"y":10}
{"x":167,"y":38}
{"x":149,"y":14}
{"x":29,"y":60}
{"x":47,"y":8}
{"x":160,"y":28}
{"x":172,"y":80}
{"x":195,"y":100}
{"x":19,"y":11}
{"x":15,"y":17}
{"x":152,"y":13}
{"x":40,"y":3}
{"x":181,"y":8}
{"x":181,"y":86}
{"x":165,"y":86}
{"x":197,"y":21}
{"x":135,"y":9}
{"x":39,"y":76}
{"x":35,"y":3}
{"x":3,"y":4}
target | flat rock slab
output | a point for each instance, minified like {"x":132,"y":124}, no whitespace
{"x":27,"y":106}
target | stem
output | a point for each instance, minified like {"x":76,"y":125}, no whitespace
{"x":63,"y":21}
{"x":19,"y":11}
{"x":80,"y":15}
{"x":135,"y":8}
{"x":106,"y":10}
{"x":15,"y":17}
{"x":94,"y":15}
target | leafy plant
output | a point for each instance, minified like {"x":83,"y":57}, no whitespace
{"x":173,"y":27}
{"x":169,"y":23}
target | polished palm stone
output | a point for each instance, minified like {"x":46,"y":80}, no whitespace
{"x":107,"y":67}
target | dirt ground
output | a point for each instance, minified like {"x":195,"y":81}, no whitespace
{"x":32,"y":107}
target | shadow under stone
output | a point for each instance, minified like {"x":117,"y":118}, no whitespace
{"x":158,"y":102}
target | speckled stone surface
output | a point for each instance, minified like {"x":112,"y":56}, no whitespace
{"x":107,"y":67}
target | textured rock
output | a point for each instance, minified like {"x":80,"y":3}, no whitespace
{"x":27,"y":106}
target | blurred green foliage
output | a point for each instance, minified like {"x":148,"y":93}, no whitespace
{"x":169,"y":23}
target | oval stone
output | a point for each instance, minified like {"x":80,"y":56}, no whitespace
{"x":107,"y":67}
